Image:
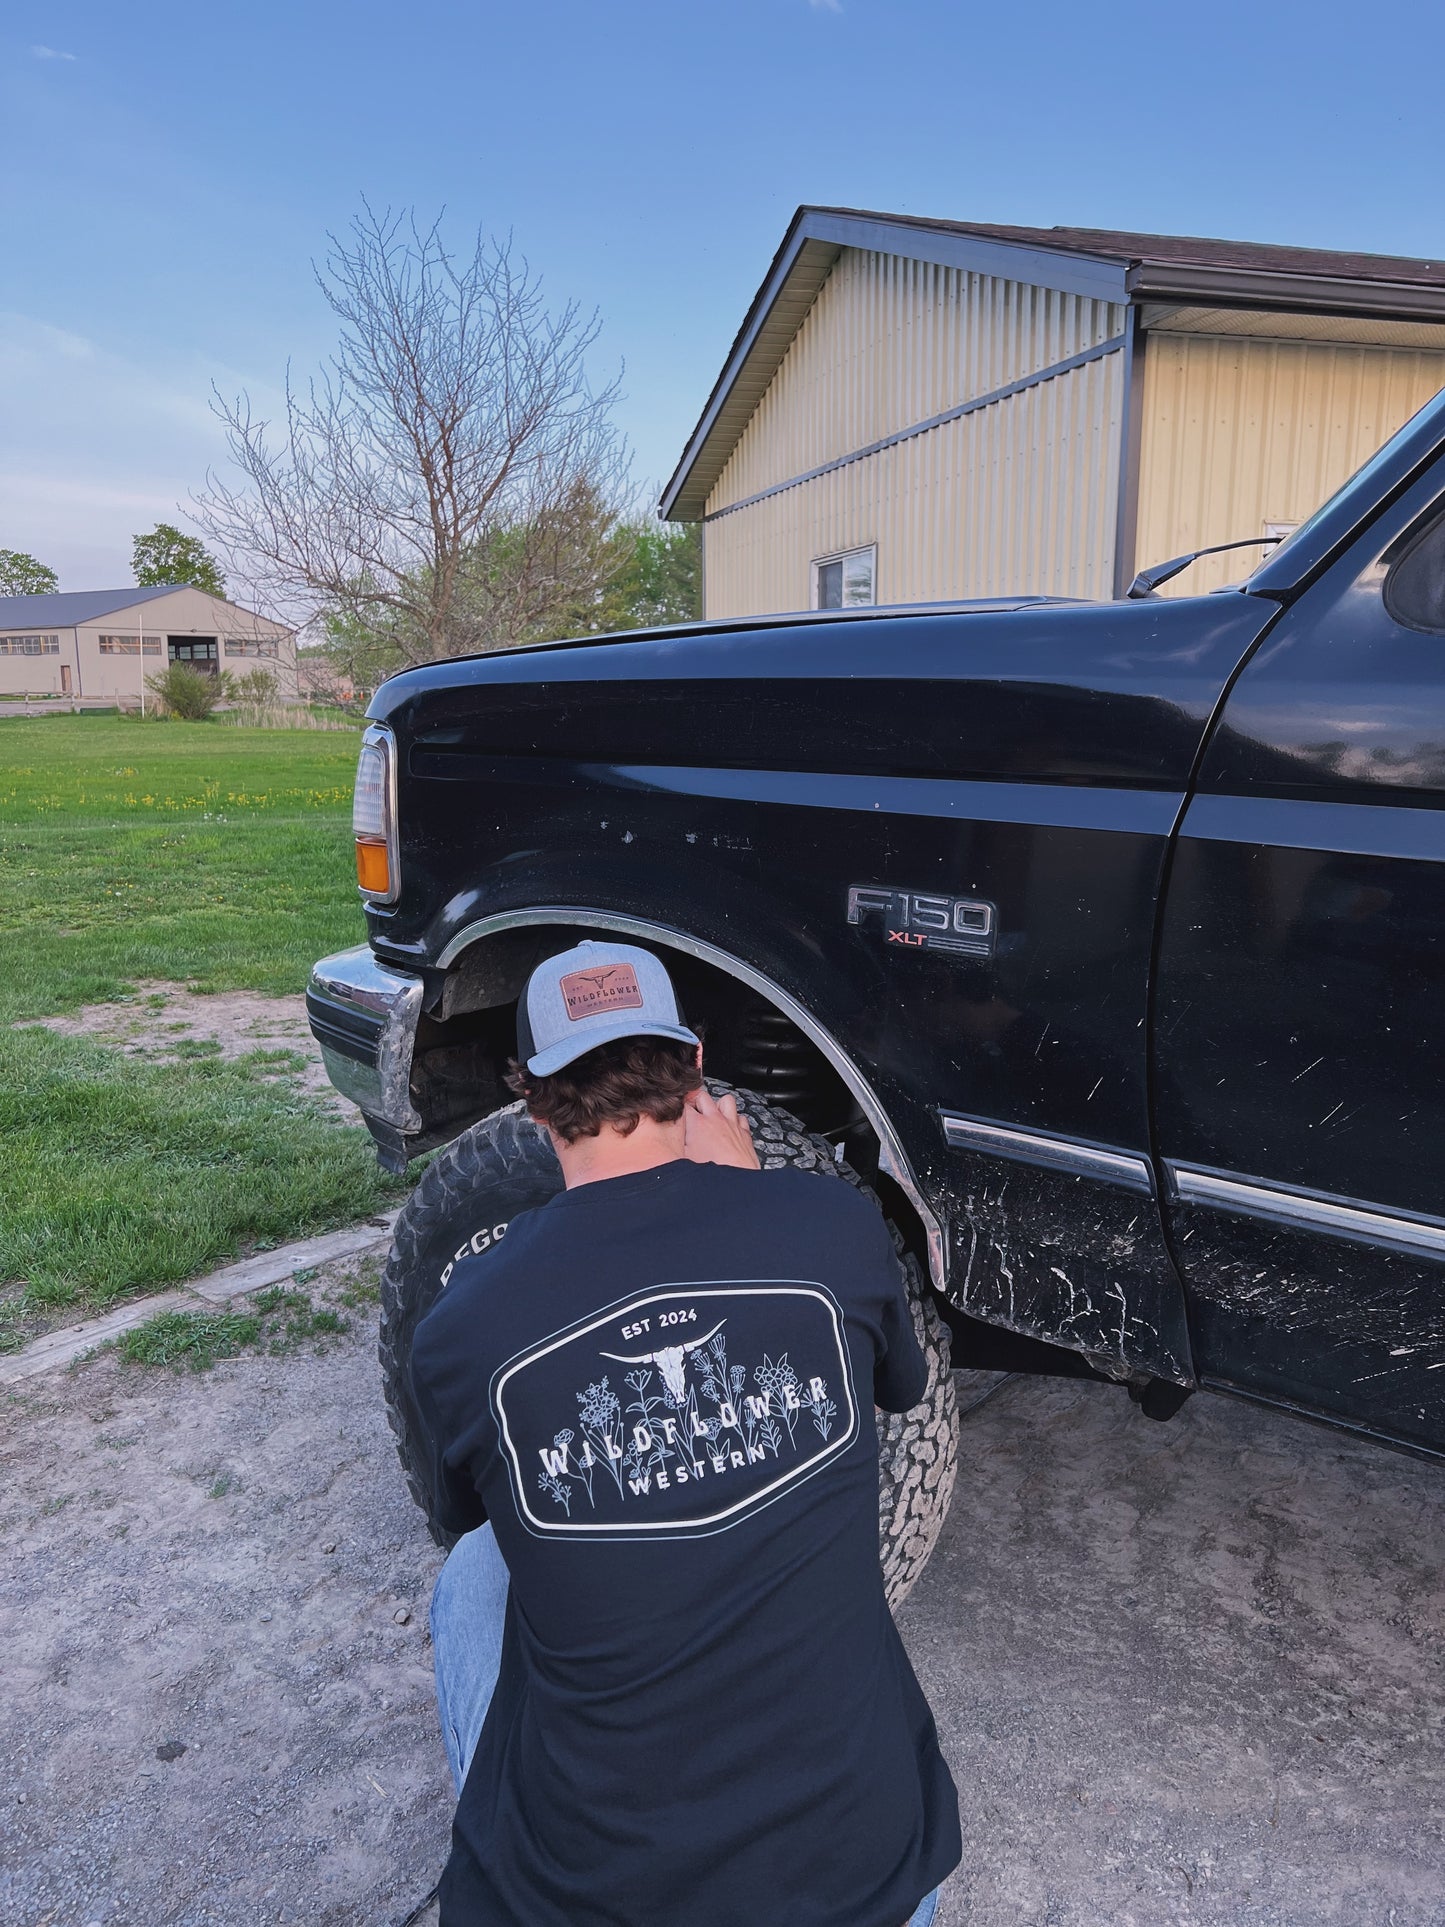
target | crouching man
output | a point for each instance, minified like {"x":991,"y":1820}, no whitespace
{"x":670,"y":1687}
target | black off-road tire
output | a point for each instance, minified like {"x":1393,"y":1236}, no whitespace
{"x":504,"y":1165}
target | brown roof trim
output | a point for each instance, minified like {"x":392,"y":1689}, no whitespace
{"x":1137,"y":249}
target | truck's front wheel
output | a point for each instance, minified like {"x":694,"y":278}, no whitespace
{"x":504,"y":1165}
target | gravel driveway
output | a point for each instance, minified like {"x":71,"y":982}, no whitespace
{"x":1184,"y":1674}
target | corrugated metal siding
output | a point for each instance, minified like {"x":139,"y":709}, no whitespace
{"x":1017,"y":497}
{"x":1239,"y":432}
{"x":889,"y":342}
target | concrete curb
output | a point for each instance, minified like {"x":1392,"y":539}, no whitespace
{"x":222,"y":1287}
{"x":274,"y":1267}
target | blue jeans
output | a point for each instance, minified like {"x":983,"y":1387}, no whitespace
{"x":468,"y":1607}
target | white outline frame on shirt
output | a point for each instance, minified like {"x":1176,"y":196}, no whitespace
{"x":716,"y":1522}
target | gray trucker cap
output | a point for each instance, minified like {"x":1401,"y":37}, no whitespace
{"x":588,"y":996}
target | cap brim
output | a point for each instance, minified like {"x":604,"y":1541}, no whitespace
{"x":568,"y":1049}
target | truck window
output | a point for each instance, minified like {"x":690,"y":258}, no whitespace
{"x":1415,"y":586}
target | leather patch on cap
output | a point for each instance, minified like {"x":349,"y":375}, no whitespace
{"x":587,"y":993}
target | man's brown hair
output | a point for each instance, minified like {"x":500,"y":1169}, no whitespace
{"x":618,"y":1083}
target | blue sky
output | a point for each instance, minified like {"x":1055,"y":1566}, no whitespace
{"x":168,"y":172}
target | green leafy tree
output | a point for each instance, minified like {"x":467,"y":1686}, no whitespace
{"x":659,"y":577}
{"x":21,"y":574}
{"x":582,"y":570}
{"x":168,"y":555}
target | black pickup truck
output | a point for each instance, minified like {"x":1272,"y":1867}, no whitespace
{"x":1106,"y":942}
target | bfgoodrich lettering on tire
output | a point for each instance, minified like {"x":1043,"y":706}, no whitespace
{"x":474,"y":1188}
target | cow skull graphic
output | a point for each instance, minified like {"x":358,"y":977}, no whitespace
{"x":669,"y":1361}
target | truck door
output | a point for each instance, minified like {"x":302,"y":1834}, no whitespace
{"x":1299,"y":1042}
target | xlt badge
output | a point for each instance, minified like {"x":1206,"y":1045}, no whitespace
{"x":923,"y":920}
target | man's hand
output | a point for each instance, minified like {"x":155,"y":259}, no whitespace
{"x":715,"y":1134}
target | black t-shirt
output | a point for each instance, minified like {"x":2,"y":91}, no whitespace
{"x":659,"y":1389}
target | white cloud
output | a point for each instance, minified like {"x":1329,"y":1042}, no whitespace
{"x":55,"y":53}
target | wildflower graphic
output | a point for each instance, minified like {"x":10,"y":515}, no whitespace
{"x":688,"y":1416}
{"x":585,"y":1463}
{"x":778,"y":1383}
{"x":823,"y":1409}
{"x":776,"y":1377}
{"x":557,"y":1490}
{"x":600,"y":1411}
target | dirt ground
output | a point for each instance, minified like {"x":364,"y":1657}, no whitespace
{"x":1184,"y":1674}
{"x":161,"y":1019}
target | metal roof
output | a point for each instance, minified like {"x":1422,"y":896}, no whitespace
{"x":1104,"y":263}
{"x":81,"y":605}
{"x":1155,"y":253}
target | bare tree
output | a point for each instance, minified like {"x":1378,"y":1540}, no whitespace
{"x":449,"y":482}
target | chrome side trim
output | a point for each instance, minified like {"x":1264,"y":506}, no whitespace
{"x":1335,"y":1217}
{"x":1415,"y":835}
{"x":355,"y":980}
{"x":1072,"y":1155}
{"x":891,"y":1155}
{"x":1051,"y":805}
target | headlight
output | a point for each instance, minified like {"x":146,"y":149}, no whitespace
{"x":373,"y":816}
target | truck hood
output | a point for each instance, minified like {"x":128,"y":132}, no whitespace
{"x":1055,"y":691}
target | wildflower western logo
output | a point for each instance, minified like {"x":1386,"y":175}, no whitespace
{"x":679,"y":1412}
{"x":609,"y":987}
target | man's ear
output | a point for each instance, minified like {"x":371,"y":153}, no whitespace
{"x":698,"y":1059}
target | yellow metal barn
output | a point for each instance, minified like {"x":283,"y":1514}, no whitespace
{"x":919,"y":410}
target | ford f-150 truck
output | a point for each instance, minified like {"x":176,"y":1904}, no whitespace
{"x":1106,"y":942}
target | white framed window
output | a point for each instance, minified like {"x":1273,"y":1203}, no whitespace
{"x":129,"y":645}
{"x":29,"y":645}
{"x":251,"y":646}
{"x":846,"y":581}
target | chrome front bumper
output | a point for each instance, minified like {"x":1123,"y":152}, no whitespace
{"x":364,"y":1016}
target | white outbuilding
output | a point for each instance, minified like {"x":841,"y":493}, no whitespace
{"x":97,"y":644}
{"x":919,"y":410}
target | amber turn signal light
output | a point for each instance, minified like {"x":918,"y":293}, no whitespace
{"x":373,"y":816}
{"x":373,"y":871}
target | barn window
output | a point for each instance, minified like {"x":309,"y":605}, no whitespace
{"x":251,"y":646}
{"x":30,"y":646}
{"x":129,"y":645}
{"x":845,"y":581}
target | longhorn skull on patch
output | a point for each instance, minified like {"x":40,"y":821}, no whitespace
{"x":669,"y":1360}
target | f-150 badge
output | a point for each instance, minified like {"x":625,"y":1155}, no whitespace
{"x":925,"y":921}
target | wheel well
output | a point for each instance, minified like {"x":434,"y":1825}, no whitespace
{"x":469,"y":1025}
{"x":467,"y":1035}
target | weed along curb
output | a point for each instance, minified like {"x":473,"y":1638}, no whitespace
{"x":217,"y":1288}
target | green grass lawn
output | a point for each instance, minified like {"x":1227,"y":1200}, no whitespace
{"x":183,"y":852}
